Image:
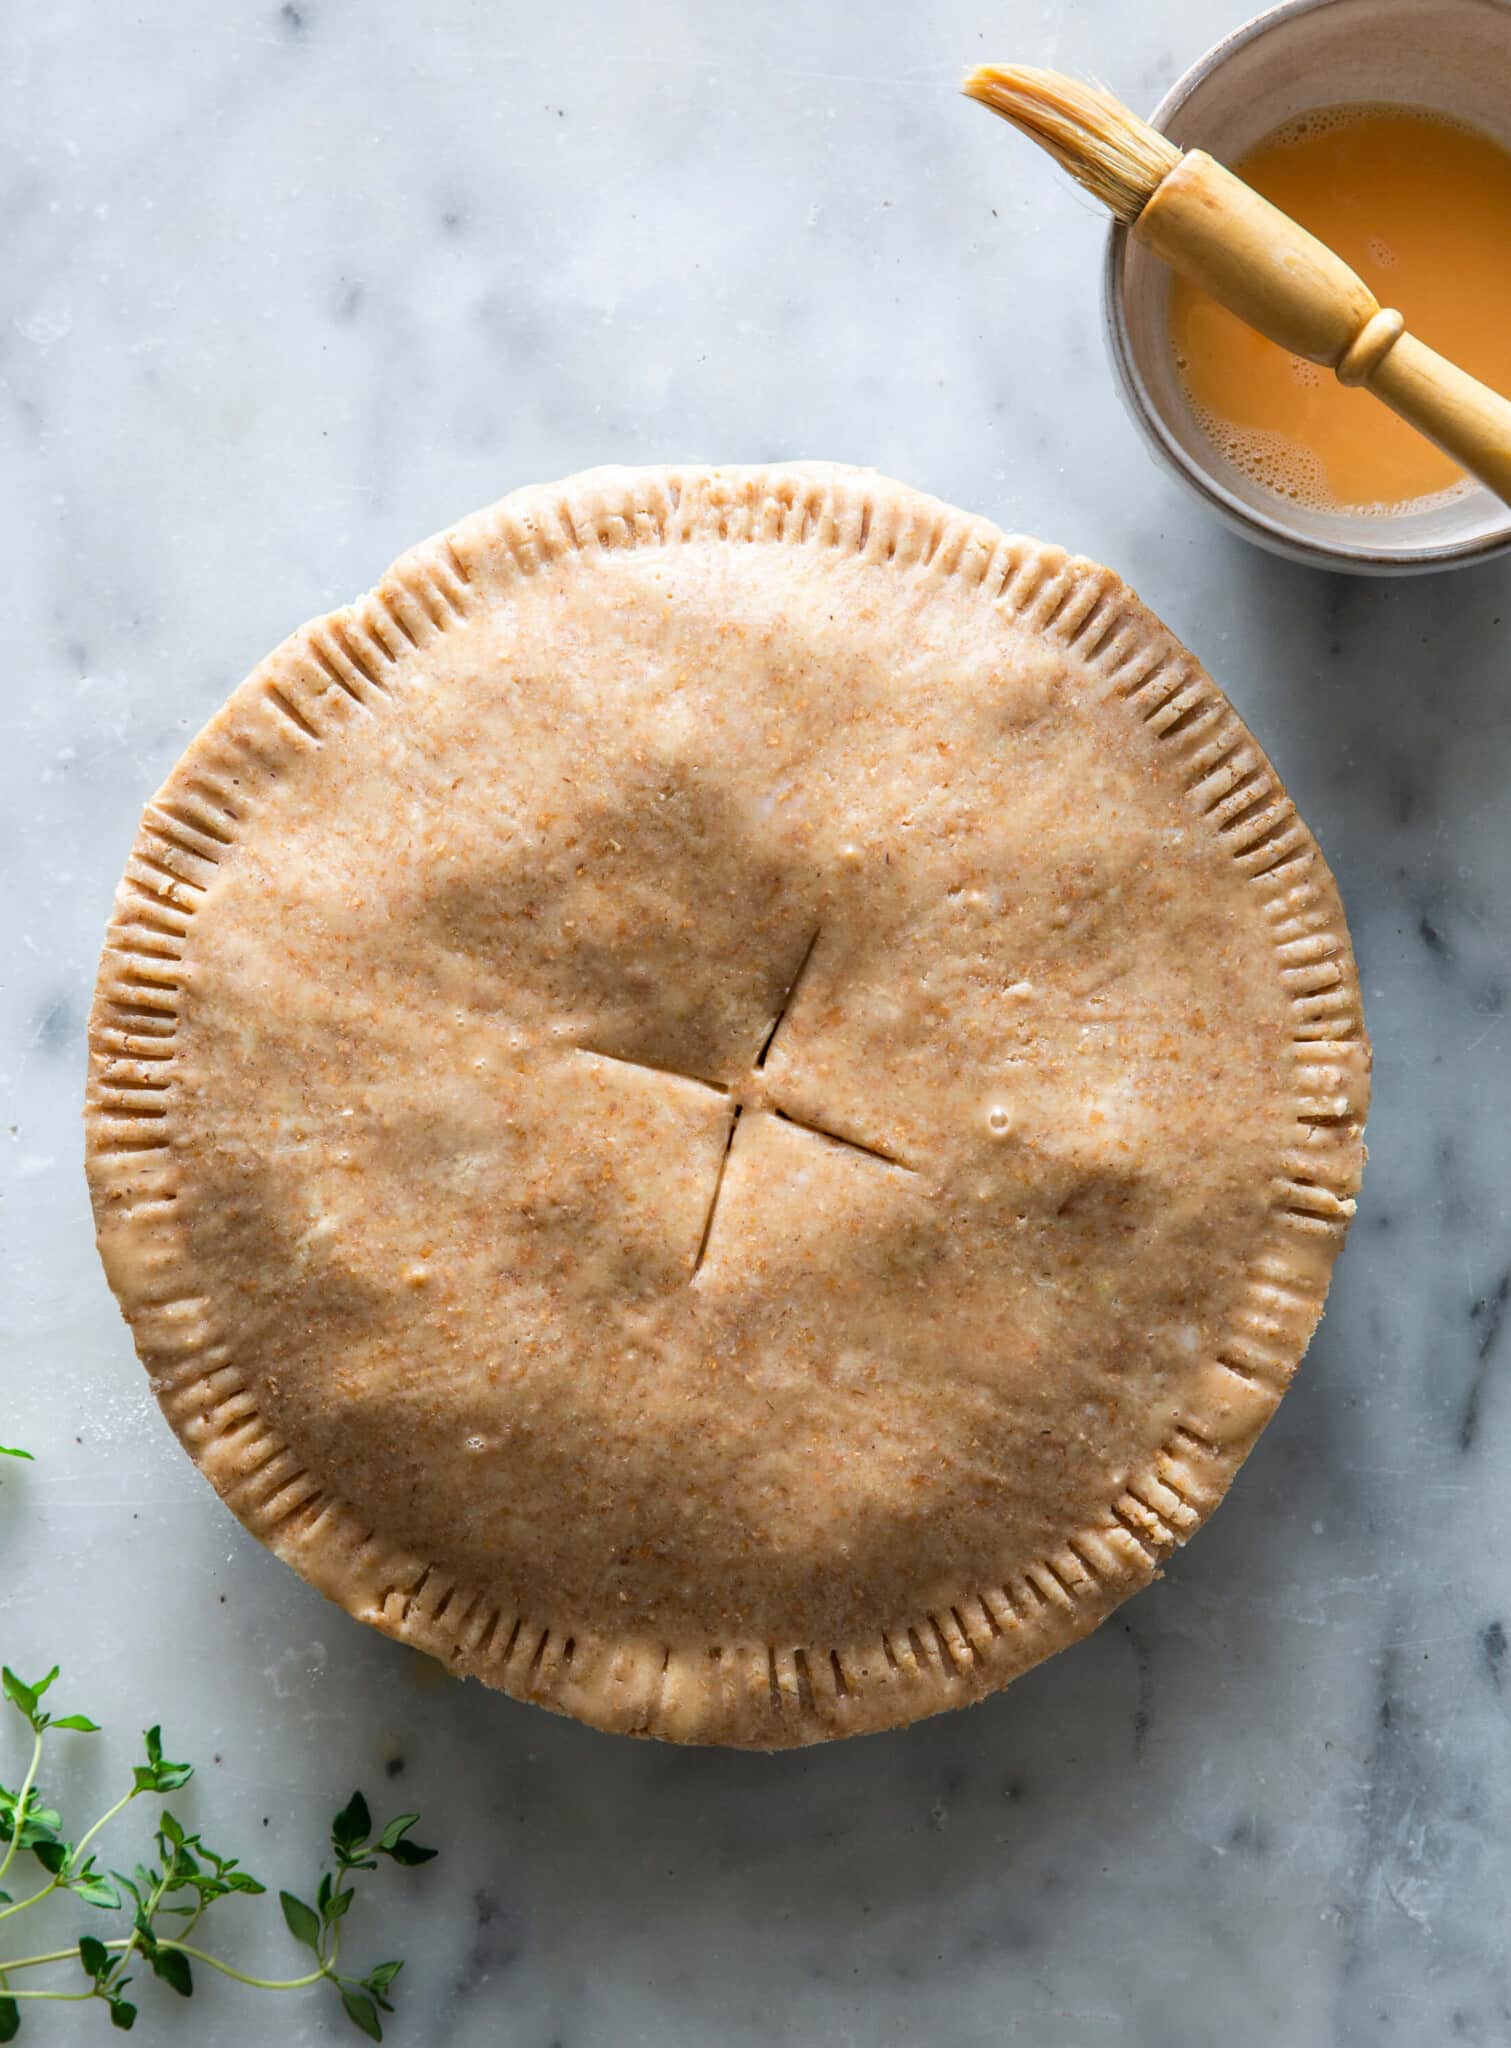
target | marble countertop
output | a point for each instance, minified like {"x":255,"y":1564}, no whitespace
{"x":290,"y":286}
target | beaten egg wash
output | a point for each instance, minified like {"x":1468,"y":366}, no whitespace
{"x":1421,"y":207}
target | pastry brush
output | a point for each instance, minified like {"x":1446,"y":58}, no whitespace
{"x":1252,"y":258}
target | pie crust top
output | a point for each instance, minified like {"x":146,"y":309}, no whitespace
{"x":727,"y":1104}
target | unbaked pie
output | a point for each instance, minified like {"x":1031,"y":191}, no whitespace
{"x":729,"y":1103}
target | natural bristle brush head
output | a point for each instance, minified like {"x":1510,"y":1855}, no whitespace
{"x":1118,"y":158}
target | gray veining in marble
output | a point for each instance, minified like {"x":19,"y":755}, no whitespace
{"x":287,"y":287}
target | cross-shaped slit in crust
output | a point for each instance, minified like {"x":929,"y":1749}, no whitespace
{"x":713,"y":1200}
{"x":839,"y":1138}
{"x":730,"y":1090}
{"x":621,"y":1059}
{"x":788,"y":995}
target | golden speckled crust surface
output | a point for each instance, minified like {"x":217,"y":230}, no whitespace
{"x":729,"y":1103}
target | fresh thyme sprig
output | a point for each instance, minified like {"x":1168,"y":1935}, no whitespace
{"x":185,"y":1881}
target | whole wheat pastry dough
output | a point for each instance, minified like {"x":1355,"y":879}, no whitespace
{"x":729,"y":1103}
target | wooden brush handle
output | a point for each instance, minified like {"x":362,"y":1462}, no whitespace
{"x":1254,"y":259}
{"x":1464,"y":416}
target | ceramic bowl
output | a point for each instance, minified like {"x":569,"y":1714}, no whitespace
{"x":1453,"y":56}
